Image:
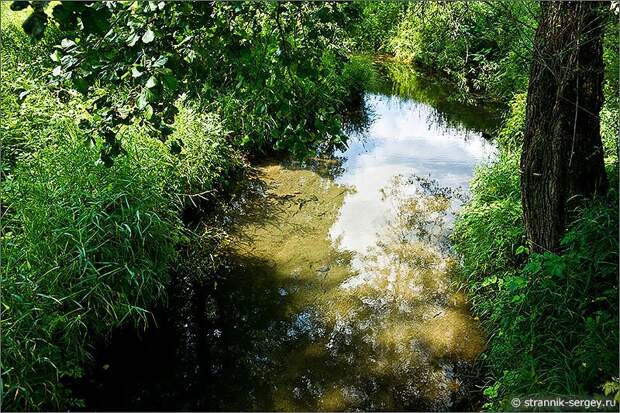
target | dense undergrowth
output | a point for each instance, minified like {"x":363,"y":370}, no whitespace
{"x":552,"y":318}
{"x":88,"y":245}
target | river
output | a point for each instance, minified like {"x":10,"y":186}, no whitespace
{"x":341,"y":291}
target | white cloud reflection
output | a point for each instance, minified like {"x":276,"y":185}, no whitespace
{"x":405,"y":138}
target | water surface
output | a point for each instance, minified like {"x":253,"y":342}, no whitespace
{"x":403,"y":140}
{"x":343,"y":291}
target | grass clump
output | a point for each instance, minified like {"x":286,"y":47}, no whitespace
{"x":205,"y":156}
{"x":85,"y":248}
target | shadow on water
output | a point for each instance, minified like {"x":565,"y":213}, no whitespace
{"x":303,"y":329}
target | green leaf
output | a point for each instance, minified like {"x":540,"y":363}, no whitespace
{"x":521,"y":250}
{"x":81,"y":85}
{"x":151,"y":83}
{"x":160,"y":62}
{"x":135,"y":72}
{"x":55,"y":56}
{"x":66,"y":43}
{"x":65,"y":17}
{"x":142,"y":100}
{"x":132,"y":40}
{"x":148,"y":112}
{"x":170,"y":81}
{"x":148,"y":37}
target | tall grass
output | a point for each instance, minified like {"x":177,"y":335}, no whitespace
{"x":85,"y":248}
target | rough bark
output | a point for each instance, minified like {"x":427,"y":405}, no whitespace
{"x":562,"y":159}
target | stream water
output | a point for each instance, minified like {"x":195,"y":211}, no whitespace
{"x":341,"y":292}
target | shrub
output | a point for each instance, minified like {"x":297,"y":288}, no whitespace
{"x":555,"y":320}
{"x":489,"y":229}
{"x":510,"y":136}
{"x":377,"y":25}
{"x":477,"y":45}
{"x":295,"y":111}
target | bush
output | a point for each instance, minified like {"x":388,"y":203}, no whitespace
{"x":489,"y":229}
{"x":555,"y":319}
{"x":297,"y":111}
{"x":377,"y":24}
{"x":510,"y":136}
{"x":477,"y":45}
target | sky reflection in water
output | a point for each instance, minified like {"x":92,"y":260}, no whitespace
{"x":403,"y":139}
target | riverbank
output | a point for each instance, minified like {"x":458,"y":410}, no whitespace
{"x":542,"y":342}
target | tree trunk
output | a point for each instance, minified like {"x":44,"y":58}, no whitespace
{"x":562,"y":159}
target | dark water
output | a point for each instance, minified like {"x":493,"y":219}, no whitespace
{"x":340,"y":290}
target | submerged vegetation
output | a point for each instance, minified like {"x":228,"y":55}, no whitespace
{"x":125,"y":123}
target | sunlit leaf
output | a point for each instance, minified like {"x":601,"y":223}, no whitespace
{"x":148,"y":36}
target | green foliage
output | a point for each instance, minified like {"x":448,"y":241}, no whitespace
{"x":377,"y":24}
{"x":556,"y":330}
{"x":611,"y":39}
{"x":276,"y":62}
{"x":453,"y":108}
{"x":610,"y":112}
{"x":612,"y":389}
{"x":85,"y":248}
{"x":294,"y":111}
{"x":552,"y":318}
{"x":483,"y":46}
{"x":359,"y":75}
{"x":489,"y":230}
{"x":205,"y":158}
{"x":24,"y":103}
{"x":510,"y":136}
